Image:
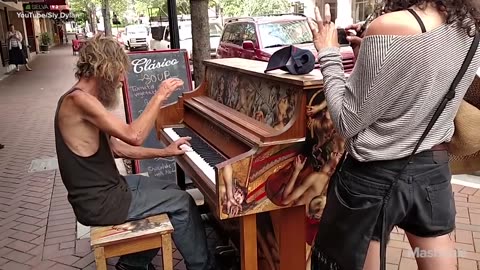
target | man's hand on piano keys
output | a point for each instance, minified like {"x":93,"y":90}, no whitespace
{"x":179,"y":147}
{"x":169,"y":86}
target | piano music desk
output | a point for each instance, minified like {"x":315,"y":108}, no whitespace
{"x":247,"y":129}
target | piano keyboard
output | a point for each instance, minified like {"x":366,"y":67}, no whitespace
{"x":202,"y":154}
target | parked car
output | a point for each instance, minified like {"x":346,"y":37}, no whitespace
{"x":259,"y":37}
{"x":136,"y":36}
{"x":161,"y":37}
{"x":120,"y":37}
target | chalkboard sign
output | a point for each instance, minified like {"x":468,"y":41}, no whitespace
{"x":147,"y":70}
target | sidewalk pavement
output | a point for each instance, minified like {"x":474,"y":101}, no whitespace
{"x":37,"y":225}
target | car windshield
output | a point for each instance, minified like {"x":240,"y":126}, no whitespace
{"x":215,"y":30}
{"x":137,"y":30}
{"x":185,"y":31}
{"x":278,"y":34}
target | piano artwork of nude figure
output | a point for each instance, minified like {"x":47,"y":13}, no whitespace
{"x":263,"y":150}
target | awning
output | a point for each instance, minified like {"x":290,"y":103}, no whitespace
{"x":56,"y":2}
{"x":24,"y":1}
{"x":48,"y":2}
{"x":44,"y":7}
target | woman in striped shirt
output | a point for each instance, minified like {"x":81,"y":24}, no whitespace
{"x":406,"y":62}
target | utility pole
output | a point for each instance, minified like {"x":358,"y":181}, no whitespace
{"x":173,"y":24}
{"x":106,"y":18}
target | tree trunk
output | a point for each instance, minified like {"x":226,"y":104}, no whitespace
{"x":107,"y":24}
{"x":201,"y":38}
{"x":92,"y":13}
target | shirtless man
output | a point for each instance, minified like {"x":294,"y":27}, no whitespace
{"x":87,"y":136}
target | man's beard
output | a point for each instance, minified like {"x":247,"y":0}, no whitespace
{"x":108,"y":94}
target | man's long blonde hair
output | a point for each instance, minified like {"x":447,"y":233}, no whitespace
{"x":102,"y":58}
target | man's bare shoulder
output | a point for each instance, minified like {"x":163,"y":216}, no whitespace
{"x":86,"y":103}
{"x":79,"y":98}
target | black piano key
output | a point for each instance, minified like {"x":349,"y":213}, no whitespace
{"x":208,"y":153}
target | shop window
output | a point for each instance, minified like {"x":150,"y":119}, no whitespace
{"x":361,"y":9}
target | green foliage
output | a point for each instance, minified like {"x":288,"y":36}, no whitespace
{"x":45,"y":38}
{"x":83,"y":5}
{"x":80,"y":17}
{"x":159,"y":7}
{"x":117,"y":6}
{"x":232,"y":8}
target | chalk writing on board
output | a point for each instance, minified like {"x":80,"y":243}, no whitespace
{"x":162,"y":169}
{"x":159,"y":158}
{"x":143,"y":91}
{"x":146,"y":64}
{"x":148,"y":79}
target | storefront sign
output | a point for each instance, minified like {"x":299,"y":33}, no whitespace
{"x":36,"y":7}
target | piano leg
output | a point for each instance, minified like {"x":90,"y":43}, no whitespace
{"x":292,"y":247}
{"x":181,"y":178}
{"x":248,"y":242}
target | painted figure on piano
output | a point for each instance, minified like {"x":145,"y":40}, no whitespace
{"x":233,"y":193}
{"x":265,"y":101}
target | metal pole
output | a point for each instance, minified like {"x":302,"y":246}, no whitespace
{"x":173,"y":24}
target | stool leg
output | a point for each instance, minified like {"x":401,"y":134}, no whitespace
{"x":167,"y":252}
{"x":100,"y":259}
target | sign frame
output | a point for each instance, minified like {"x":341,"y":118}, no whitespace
{"x":126,"y":95}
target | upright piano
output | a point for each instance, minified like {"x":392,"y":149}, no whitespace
{"x":262,"y":144}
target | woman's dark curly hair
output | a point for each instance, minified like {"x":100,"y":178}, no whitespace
{"x":465,"y":12}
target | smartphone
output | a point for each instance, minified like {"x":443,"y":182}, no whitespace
{"x":342,"y":37}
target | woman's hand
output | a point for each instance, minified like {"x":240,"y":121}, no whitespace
{"x":324,"y":31}
{"x":355,"y":40}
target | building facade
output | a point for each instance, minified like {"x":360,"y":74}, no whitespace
{"x":31,"y":27}
{"x":9,"y":14}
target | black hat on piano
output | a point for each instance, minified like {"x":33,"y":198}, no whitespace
{"x":293,"y":60}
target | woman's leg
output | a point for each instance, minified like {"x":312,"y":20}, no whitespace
{"x":27,"y":67}
{"x":434,"y":253}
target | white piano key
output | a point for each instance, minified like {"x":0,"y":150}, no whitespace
{"x":208,"y":170}
{"x":186,"y":148}
{"x":171,"y":133}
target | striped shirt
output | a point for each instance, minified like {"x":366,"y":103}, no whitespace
{"x":14,"y":42}
{"x":384,"y":106}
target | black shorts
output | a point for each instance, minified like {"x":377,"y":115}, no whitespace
{"x":422,"y":203}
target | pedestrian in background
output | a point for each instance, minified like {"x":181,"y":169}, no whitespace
{"x":16,"y":56}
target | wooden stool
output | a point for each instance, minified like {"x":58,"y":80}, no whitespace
{"x":131,"y":237}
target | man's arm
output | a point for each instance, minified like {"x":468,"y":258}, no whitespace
{"x":124,"y":150}
{"x":134,"y":133}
